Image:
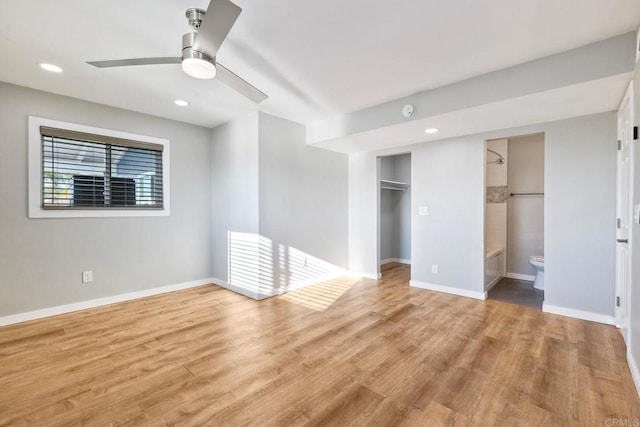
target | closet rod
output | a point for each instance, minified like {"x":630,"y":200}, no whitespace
{"x":526,"y":194}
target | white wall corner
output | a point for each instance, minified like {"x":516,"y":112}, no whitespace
{"x":83,"y":305}
{"x":635,"y":373}
{"x":578,"y":314}
{"x":373,"y":276}
{"x":448,"y":290}
{"x":271,"y":292}
{"x":250,"y":293}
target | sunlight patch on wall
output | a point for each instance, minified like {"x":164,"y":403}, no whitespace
{"x":244,"y":261}
{"x":298,"y":268}
{"x":261,"y":268}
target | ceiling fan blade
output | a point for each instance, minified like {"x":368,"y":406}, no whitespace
{"x":238,"y":84}
{"x":217,"y":22}
{"x":135,"y":61}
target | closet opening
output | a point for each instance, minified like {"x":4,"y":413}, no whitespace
{"x":394,"y":211}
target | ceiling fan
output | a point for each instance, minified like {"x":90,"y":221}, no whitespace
{"x":199,"y":49}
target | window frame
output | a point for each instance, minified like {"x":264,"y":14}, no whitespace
{"x":35,"y":173}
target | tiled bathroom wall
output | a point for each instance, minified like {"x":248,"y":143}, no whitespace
{"x":496,"y":196}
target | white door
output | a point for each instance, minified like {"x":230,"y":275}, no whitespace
{"x":624,"y":211}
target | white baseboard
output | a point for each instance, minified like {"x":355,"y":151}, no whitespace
{"x":251,"y":293}
{"x":578,"y":314}
{"x":83,"y":305}
{"x":398,"y":260}
{"x":518,"y":276}
{"x":635,"y":373}
{"x":374,"y":276}
{"x":260,"y":294}
{"x":448,"y":290}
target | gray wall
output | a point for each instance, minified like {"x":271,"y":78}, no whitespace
{"x":495,"y":219}
{"x":448,"y":178}
{"x":364,"y":206}
{"x":234,"y":190}
{"x":579,"y":235}
{"x":525,"y":214}
{"x":388,"y":203}
{"x":279,"y":207}
{"x":303,"y":205}
{"x":41,"y":260}
{"x":395,"y":209}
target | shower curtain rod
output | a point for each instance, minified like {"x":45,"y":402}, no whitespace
{"x":526,"y":194}
{"x":500,"y":159}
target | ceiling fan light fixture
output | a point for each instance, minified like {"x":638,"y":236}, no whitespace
{"x":195,"y":63}
{"x":199,"y":68}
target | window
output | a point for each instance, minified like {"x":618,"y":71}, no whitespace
{"x":77,"y":171}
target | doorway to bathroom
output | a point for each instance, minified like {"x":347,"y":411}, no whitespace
{"x":514,"y":220}
{"x":394,"y":212}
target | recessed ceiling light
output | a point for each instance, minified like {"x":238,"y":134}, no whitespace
{"x":51,"y":67}
{"x":180,"y":103}
{"x":431,"y":130}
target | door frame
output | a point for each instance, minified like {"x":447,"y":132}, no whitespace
{"x":623,"y":290}
{"x":379,"y":204}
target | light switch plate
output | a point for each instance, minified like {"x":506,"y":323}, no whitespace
{"x":87,"y":276}
{"x":423,"y":210}
{"x":636,"y":214}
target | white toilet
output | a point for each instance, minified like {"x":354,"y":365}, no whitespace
{"x":537,"y":261}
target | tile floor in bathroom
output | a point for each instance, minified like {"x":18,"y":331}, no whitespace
{"x":520,"y":292}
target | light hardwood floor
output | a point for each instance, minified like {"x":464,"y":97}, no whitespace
{"x":347,"y":352}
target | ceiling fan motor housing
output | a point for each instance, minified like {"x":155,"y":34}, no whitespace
{"x":195,"y":17}
{"x":189,"y":52}
{"x":195,"y":63}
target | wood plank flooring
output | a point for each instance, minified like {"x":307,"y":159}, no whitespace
{"x":346,"y":352}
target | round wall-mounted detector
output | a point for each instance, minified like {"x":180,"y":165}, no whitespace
{"x":408,"y":110}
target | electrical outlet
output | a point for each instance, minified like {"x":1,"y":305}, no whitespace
{"x":423,"y":210}
{"x":87,"y":276}
{"x":434,"y":268}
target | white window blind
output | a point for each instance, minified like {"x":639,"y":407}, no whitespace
{"x":89,"y":171}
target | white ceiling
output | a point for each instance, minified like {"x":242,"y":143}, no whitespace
{"x":313,"y":58}
{"x":595,"y":96}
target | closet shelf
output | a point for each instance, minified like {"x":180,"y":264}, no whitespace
{"x":386,"y":184}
